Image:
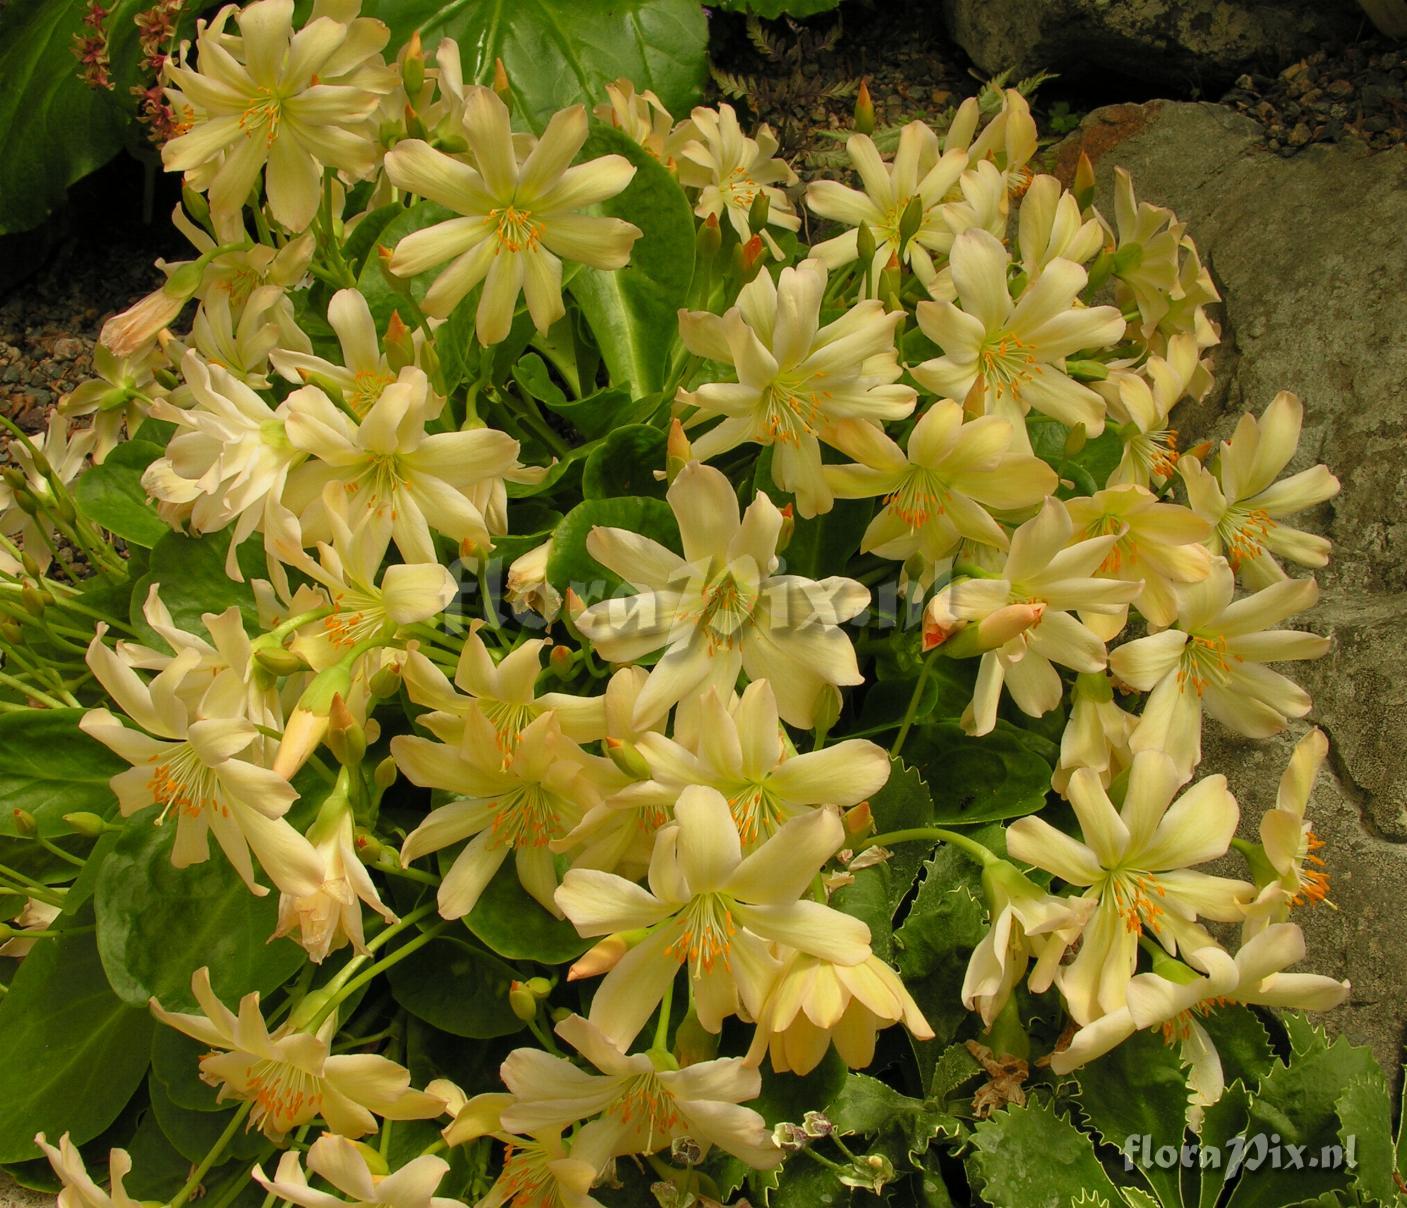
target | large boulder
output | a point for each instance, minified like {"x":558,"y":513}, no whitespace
{"x":1182,"y":45}
{"x":1309,"y":256}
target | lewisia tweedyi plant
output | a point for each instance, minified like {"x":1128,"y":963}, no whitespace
{"x":637,"y":674}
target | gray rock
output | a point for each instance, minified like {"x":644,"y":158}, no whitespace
{"x":12,"y":1195}
{"x":1170,"y":43}
{"x":1308,"y":258}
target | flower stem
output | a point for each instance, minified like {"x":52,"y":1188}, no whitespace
{"x":210,"y":1158}
{"x":914,"y":701}
{"x":662,"y":1024}
{"x":968,"y":846}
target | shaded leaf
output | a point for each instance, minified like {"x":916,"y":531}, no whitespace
{"x":1032,"y":1157}
{"x":51,"y":768}
{"x":112,"y":494}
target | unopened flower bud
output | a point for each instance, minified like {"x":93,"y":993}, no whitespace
{"x":693,"y":1042}
{"x":708,"y":240}
{"x":910,"y":220}
{"x":413,"y":66}
{"x":940,"y":623}
{"x":602,"y":957}
{"x":826,"y":710}
{"x":522,"y":1001}
{"x":10,"y":631}
{"x":308,"y":723}
{"x":864,"y":109}
{"x":374,"y":1159}
{"x":560,"y":662}
{"x":385,"y":775}
{"x":750,"y":259}
{"x":865,"y":245}
{"x":500,"y":84}
{"x":35,"y":599}
{"x":24,"y":822}
{"x":1084,"y":182}
{"x":890,"y":283}
{"x":678,"y":452}
{"x":346,"y":737}
{"x":386,"y":682}
{"x":88,"y":825}
{"x":628,"y":759}
{"x":1086,"y":371}
{"x":788,"y":529}
{"x":279,"y":660}
{"x":195,"y":204}
{"x":858,"y":819}
{"x":1075,"y":440}
{"x":369,"y":848}
{"x":759,"y":210}
{"x":994,"y":630}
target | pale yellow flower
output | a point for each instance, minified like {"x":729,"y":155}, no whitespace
{"x":63,"y":452}
{"x":730,"y":170}
{"x":518,"y":218}
{"x":343,"y":1164}
{"x":640,"y":115}
{"x":79,"y":1189}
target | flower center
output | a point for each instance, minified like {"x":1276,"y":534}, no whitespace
{"x":283,"y":1094}
{"x":706,"y":934}
{"x":264,"y":112}
{"x":917,"y":498}
{"x":644,"y":1103}
{"x":792,"y":409}
{"x":367,"y":385}
{"x":1135,"y":895}
{"x":726,"y":610}
{"x":527,"y":1180}
{"x":756,"y":813}
{"x":184,"y":783}
{"x":515,"y":229}
{"x":1243,"y":532}
{"x":356,"y":616}
{"x":1313,"y":883}
{"x":1204,"y":663}
{"x":1156,"y":452}
{"x":1007,"y":364}
{"x":740,"y":189}
{"x":528,"y":816}
{"x":509,"y":719}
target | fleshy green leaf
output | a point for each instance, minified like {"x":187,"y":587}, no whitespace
{"x":624,"y":464}
{"x":564,"y":52}
{"x":158,"y":924}
{"x":1157,"y":1109}
{"x":51,"y":768}
{"x":870,"y":1107}
{"x":1035,"y":1158}
{"x":1223,"y":1120}
{"x":571,"y":566}
{"x":633,"y":312}
{"x":191,"y":572}
{"x":999,"y":775}
{"x":193,"y":1133}
{"x":516,"y":927}
{"x":453,"y":988}
{"x":112,"y":494}
{"x":74,"y":1051}
{"x":1365,"y":1131}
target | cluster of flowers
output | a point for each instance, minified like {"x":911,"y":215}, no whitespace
{"x":695,"y":838}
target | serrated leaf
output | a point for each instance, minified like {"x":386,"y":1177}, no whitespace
{"x":1138,"y":1089}
{"x":999,"y":775}
{"x":1365,"y":1132}
{"x":903,"y":803}
{"x":158,"y":924}
{"x":1241,"y":1042}
{"x":51,"y":768}
{"x":1299,"y":1102}
{"x":1223,"y":1120}
{"x":112,"y":494}
{"x":1032,"y":1157}
{"x":870,"y":1107}
{"x":633,"y":312}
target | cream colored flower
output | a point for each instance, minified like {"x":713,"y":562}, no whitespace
{"x":1011,"y":353}
{"x":296,"y":102}
{"x":1141,"y":402}
{"x":190,"y":766}
{"x":921,"y":172}
{"x":364,"y":372}
{"x":640,"y":115}
{"x":229,"y":460}
{"x":289,"y":1074}
{"x":1135,"y":862}
{"x":1051,"y":227}
{"x":1096,"y":734}
{"x":35,"y":916}
{"x":63,"y":452}
{"x":79,"y":1189}
{"x":940,"y":492}
{"x":1146,"y":260}
{"x":799,"y":384}
{"x":730,"y":169}
{"x":713,"y":911}
{"x":343,"y":1164}
{"x":504,"y":692}
{"x":1158,"y":546}
{"x":1045,"y":571}
{"x":518,"y":218}
{"x":720,"y":609}
{"x":527,"y":588}
{"x":401,"y":480}
{"x":117,"y":399}
{"x":1215,"y":660}
{"x":815,"y":1003}
{"x":1246,"y":505}
{"x":518,"y":806}
{"x":1025,"y":921}
{"x":1288,"y":839}
{"x":1253,"y":977}
{"x":744,"y":753}
{"x":1008,"y":141}
{"x":645,"y":1102}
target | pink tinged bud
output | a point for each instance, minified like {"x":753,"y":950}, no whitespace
{"x":858,"y":819}
{"x":601,"y":958}
{"x":1006,"y":623}
{"x":939,"y":622}
{"x":864,"y":110}
{"x":301,"y":737}
{"x":678,"y":452}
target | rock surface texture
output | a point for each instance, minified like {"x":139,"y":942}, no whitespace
{"x":1309,"y":257}
{"x":1175,"y":43}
